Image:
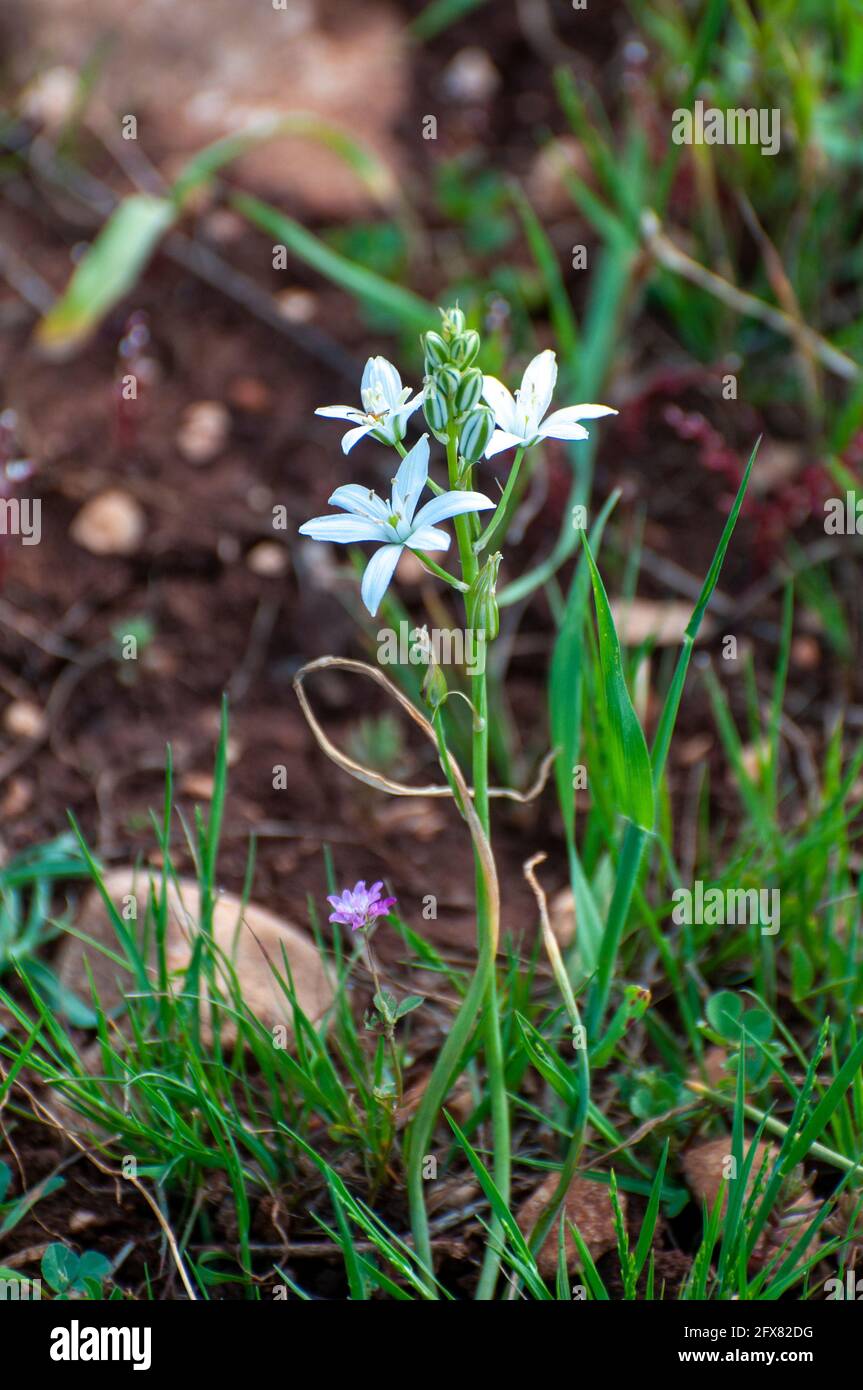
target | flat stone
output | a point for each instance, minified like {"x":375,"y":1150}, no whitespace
{"x":259,"y":942}
{"x":588,"y":1206}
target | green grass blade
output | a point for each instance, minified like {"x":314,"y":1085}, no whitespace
{"x":107,"y":271}
{"x":630,"y":760}
{"x":412,"y":313}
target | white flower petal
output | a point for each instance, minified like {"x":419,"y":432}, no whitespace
{"x":562,"y":429}
{"x":343,"y":529}
{"x":406,"y":410}
{"x":450,"y":504}
{"x":353,"y":497}
{"x":367,"y":379}
{"x":379,"y":572}
{"x":501,"y":402}
{"x":580,"y":412}
{"x":501,"y":440}
{"x":353,"y":437}
{"x":386,"y":379}
{"x":428,"y":538}
{"x":537,"y":387}
{"x":411,"y":479}
{"x":340,"y":412}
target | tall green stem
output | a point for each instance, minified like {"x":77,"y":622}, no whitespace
{"x":481,"y":997}
{"x":449,"y":1060}
{"x":493,"y":1044}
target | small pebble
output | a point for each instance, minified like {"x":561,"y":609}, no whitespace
{"x":268,"y":559}
{"x":203,"y":431}
{"x":297,"y":306}
{"x":471,"y":76}
{"x":111,"y":523}
{"x":24,"y":719}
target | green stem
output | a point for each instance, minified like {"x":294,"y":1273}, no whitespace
{"x":447,"y":1067}
{"x":441,"y":573}
{"x":481,"y":997}
{"x":389,"y":1033}
{"x":501,"y":514}
{"x":493,"y":1044}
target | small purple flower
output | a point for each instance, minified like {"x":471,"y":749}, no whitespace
{"x":359,"y":907}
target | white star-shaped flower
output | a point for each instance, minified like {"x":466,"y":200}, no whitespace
{"x":521,"y":420}
{"x":387,"y":406}
{"x":395,"y":523}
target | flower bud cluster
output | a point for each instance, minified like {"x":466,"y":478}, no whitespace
{"x":452,"y":396}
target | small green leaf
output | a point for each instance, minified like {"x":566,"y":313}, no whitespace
{"x":385,"y":1003}
{"x":92,"y":1266}
{"x":547,"y":1062}
{"x":412,"y":1001}
{"x":724,"y":1012}
{"x":758,"y":1024}
{"x":59,"y":1267}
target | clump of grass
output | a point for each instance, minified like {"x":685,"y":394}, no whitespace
{"x":166,"y":1101}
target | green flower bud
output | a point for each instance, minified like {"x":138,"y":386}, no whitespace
{"x":475,"y":434}
{"x":468,"y":391}
{"x":448,"y":379}
{"x":434,"y":686}
{"x":453,"y":322}
{"x":436,"y":409}
{"x":464,"y":348}
{"x":435,"y":349}
{"x":481,"y":599}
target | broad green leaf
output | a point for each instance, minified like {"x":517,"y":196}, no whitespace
{"x":566,"y":679}
{"x":630,"y":760}
{"x":59,"y":1266}
{"x":108,"y":270}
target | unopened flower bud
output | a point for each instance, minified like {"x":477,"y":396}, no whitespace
{"x":468,"y":391}
{"x":434,"y":687}
{"x":435,"y":349}
{"x":436,"y":409}
{"x":448,"y":379}
{"x":475,"y":434}
{"x":464,"y":348}
{"x":453,"y":323}
{"x":482,"y":601}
